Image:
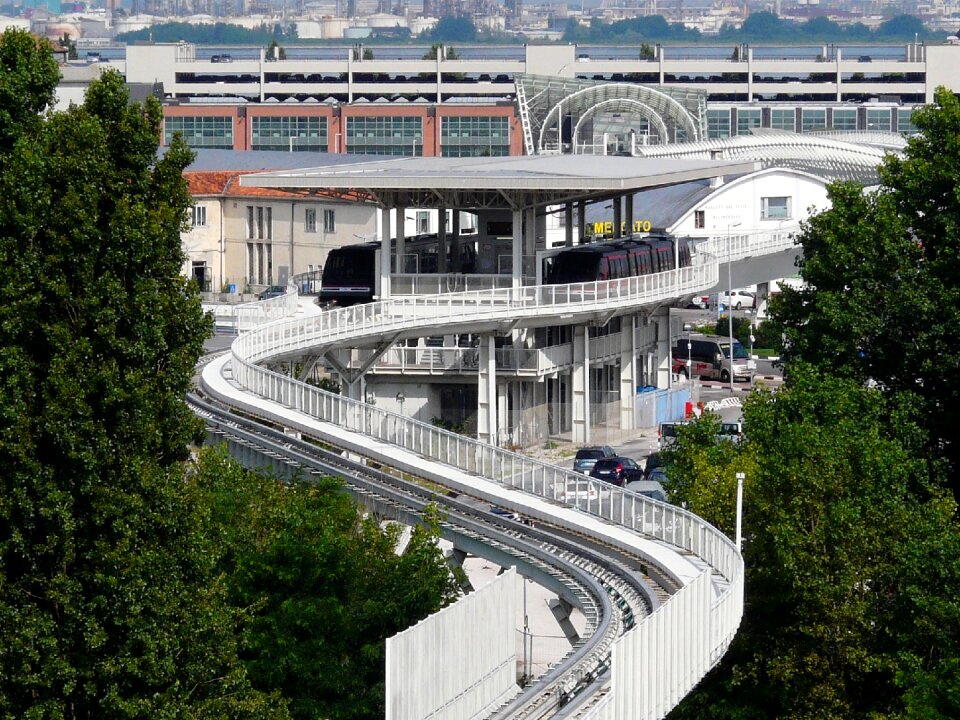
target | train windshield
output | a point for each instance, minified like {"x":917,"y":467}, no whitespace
{"x":575,"y":267}
{"x":739,"y":352}
{"x":348,"y":265}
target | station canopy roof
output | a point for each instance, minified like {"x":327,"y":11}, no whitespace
{"x":498,"y":182}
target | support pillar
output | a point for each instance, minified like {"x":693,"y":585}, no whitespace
{"x":561,"y":610}
{"x":568,"y":224}
{"x":401,"y":266}
{"x":628,"y":374}
{"x":581,"y":222}
{"x":455,"y":558}
{"x":516,"y":411}
{"x":617,"y":217}
{"x":386,"y":233}
{"x":530,"y":236}
{"x":581,"y":384}
{"x":763,"y":297}
{"x":487,"y":391}
{"x":662,"y":356}
{"x":628,"y":202}
{"x":456,"y":265}
{"x":442,"y":239}
{"x":517,"y":249}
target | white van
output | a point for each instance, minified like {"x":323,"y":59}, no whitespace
{"x":709,"y":357}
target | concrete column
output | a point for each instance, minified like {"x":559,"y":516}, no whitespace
{"x":628,"y":202}
{"x":662,"y":355}
{"x":386,"y":232}
{"x":839,"y":81}
{"x":581,"y":222}
{"x":568,"y":224}
{"x":455,"y":558}
{"x":749,"y":74}
{"x":401,"y":240}
{"x":456,"y":265}
{"x":503,"y":409}
{"x":617,"y":216}
{"x":581,"y":384}
{"x":763,"y":296}
{"x":487,"y":391}
{"x":517,"y":248}
{"x":516,"y":410}
{"x":530,"y":235}
{"x":628,"y":374}
{"x":561,"y":611}
{"x":441,"y":239}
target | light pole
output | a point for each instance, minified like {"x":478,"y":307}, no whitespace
{"x":740,"y":478}
{"x":689,"y":328}
{"x":730,"y":296}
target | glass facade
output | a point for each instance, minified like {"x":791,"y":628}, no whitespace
{"x":747,"y":119}
{"x":845,"y":119}
{"x":814,"y":120}
{"x":385,"y":135}
{"x":878,"y":119}
{"x":289,"y":133}
{"x":474,"y":136}
{"x":718,"y":124}
{"x":201,"y":131}
{"x":905,"y":121}
{"x":783,"y":119}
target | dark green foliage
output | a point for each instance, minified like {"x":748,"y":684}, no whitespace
{"x":852,"y":581}
{"x":453,"y":29}
{"x":109,"y":606}
{"x":326,"y":585}
{"x":216,"y":34}
{"x":883,"y":272}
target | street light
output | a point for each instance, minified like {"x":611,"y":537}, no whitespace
{"x":740,"y":478}
{"x":730,"y":296}
{"x":688,"y":327}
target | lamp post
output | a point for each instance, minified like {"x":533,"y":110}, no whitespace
{"x":689,"y":328}
{"x":730,"y":296}
{"x":740,"y":478}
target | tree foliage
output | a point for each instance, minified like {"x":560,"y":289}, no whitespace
{"x":216,"y":34}
{"x":882,"y":300}
{"x":327,"y":585}
{"x":453,"y":29}
{"x":850,"y":550}
{"x":109,"y":605}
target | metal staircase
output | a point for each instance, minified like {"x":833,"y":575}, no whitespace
{"x":524,"y":120}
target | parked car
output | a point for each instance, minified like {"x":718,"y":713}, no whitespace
{"x":653,"y":489}
{"x":272,"y":292}
{"x":587,"y":457}
{"x":731,"y":431}
{"x":699,"y":301}
{"x":574,"y":490}
{"x":668,"y":432}
{"x":736,"y":299}
{"x":654,"y":460}
{"x":617,"y":470}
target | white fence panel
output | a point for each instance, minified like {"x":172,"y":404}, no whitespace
{"x":458,"y":662}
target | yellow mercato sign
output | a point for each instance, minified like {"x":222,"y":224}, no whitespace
{"x":606,"y":228}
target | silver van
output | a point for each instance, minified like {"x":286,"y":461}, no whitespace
{"x":709,"y":357}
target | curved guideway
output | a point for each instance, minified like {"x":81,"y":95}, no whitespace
{"x":691,"y":631}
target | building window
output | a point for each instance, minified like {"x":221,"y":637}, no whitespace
{"x":699,"y":219}
{"x":474,"y":136}
{"x":747,"y":119}
{"x":250,"y":216}
{"x":310,"y":221}
{"x":199,"y":218}
{"x":329,"y":221}
{"x":878,"y":119}
{"x":783,"y":119}
{"x":200,"y":132}
{"x":775,"y":208}
{"x":289,"y":133}
{"x":718,"y":124}
{"x":905,"y":124}
{"x":814,"y":120}
{"x":423,"y":222}
{"x":385,"y":135}
{"x":845,"y":119}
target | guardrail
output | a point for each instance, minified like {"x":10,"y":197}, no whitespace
{"x":434,"y":283}
{"x":716,"y":614}
{"x":240,"y":317}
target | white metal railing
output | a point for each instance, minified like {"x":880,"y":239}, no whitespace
{"x":435,"y":283}
{"x":717,"y":613}
{"x":241,"y":317}
{"x":738,"y":246}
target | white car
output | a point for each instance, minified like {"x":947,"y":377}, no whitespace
{"x":737,"y":299}
{"x":576,"y":489}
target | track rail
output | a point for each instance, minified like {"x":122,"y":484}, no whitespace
{"x":612,"y":594}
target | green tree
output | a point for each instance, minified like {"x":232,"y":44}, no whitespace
{"x":852,"y":582}
{"x":328,"y":586}
{"x":275,"y":51}
{"x":454,"y":29}
{"x":882,"y":300}
{"x":109,"y":605}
